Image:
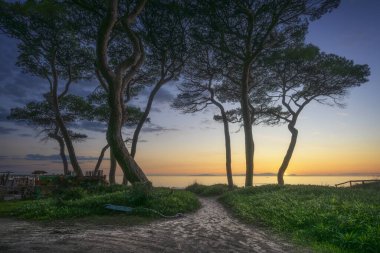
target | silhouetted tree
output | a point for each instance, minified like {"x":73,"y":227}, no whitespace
{"x":100,"y":113}
{"x":203,"y":76}
{"x":41,"y":116}
{"x":49,"y":48}
{"x":119,"y":56}
{"x":164,"y":38}
{"x":240,"y":31}
{"x":302,"y":75}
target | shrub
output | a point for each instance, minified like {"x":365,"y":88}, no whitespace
{"x":72,"y":193}
{"x":207,"y":190}
{"x":163,"y":200}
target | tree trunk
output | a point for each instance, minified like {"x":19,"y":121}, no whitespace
{"x":114,"y":137}
{"x":289,"y":153}
{"x":100,"y":159}
{"x":112,"y":169}
{"x":62,"y":152}
{"x":62,"y":127}
{"x":144,"y":117}
{"x":227,"y":142}
{"x":247,"y":123}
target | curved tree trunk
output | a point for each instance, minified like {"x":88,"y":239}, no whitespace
{"x":62,"y":127}
{"x":100,"y":159}
{"x":227,"y":142}
{"x":62,"y":152}
{"x":144,"y":117}
{"x":70,"y":147}
{"x":247,"y":124}
{"x":114,"y":137}
{"x":112,"y":169}
{"x":289,"y":153}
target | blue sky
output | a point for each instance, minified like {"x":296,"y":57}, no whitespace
{"x":331,"y":140}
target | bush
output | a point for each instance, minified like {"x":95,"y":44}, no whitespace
{"x":207,"y":190}
{"x":139,"y":193}
{"x":72,"y":193}
{"x":163,"y":200}
{"x":196,"y":188}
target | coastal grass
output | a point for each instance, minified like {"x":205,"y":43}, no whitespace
{"x":83,"y":204}
{"x":327,"y":218}
{"x":207,"y":190}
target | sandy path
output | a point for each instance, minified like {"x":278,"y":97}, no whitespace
{"x":211,"y":229}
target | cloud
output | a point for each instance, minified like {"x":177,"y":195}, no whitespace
{"x":164,"y":96}
{"x":6,"y":130}
{"x":25,"y":135}
{"x":39,"y":157}
{"x":20,"y":87}
{"x":3,"y":114}
{"x":151,"y":128}
{"x":94,"y":126}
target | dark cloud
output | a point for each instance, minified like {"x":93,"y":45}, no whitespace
{"x":39,"y":157}
{"x":25,"y":135}
{"x":151,"y":128}
{"x":155,"y":110}
{"x":164,"y":96}
{"x":3,"y":114}
{"x":94,"y":126}
{"x":84,"y":87}
{"x":6,"y":130}
{"x":15,"y":84}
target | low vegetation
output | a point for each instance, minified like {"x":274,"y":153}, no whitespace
{"x":329,"y":219}
{"x":207,"y":190}
{"x":81,"y":202}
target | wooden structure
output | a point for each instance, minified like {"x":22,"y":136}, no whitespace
{"x":354,"y":182}
{"x":16,"y":186}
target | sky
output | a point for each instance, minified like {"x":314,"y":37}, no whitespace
{"x":331,"y":140}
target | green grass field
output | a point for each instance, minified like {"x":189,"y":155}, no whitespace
{"x":327,"y":219}
{"x":78,"y":203}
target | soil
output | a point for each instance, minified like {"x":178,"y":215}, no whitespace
{"x":210,"y":229}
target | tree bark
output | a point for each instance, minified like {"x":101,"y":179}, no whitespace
{"x":289,"y":153}
{"x":227,"y":142}
{"x":100,"y":159}
{"x":247,"y":124}
{"x":114,"y":79}
{"x":114,"y":136}
{"x":112,"y":169}
{"x":144,"y":117}
{"x":62,"y":152}
{"x":61,"y":124}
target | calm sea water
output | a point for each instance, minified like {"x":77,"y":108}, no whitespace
{"x":183,"y":181}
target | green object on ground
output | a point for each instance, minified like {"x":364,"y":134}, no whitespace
{"x":126,"y":209}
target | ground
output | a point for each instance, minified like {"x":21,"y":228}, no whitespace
{"x":210,"y":229}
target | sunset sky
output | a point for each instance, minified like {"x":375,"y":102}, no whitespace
{"x":331,"y":140}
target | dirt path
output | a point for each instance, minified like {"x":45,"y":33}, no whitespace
{"x":211,"y":229}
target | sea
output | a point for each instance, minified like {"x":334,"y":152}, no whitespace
{"x":182,"y":181}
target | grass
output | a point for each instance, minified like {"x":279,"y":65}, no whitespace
{"x":329,"y":219}
{"x":207,"y":190}
{"x":83,"y":204}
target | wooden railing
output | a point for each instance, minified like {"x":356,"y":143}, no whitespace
{"x":358,"y":181}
